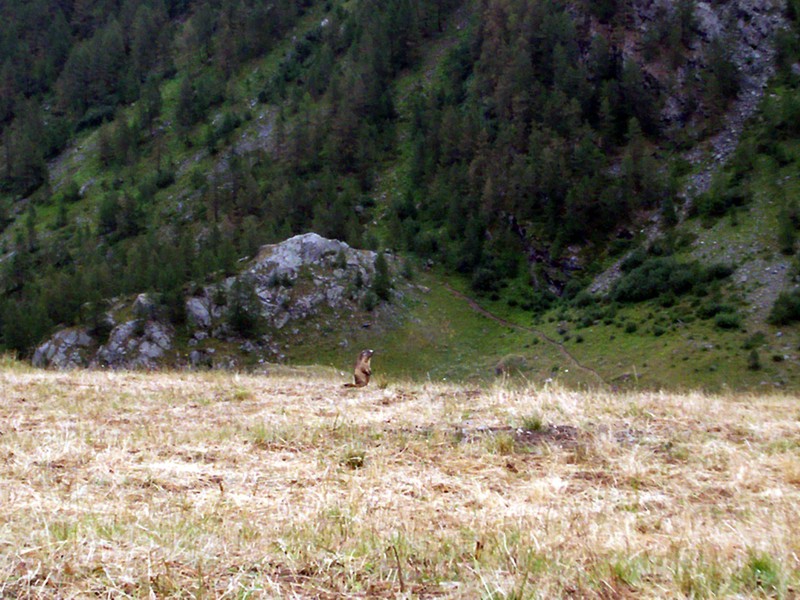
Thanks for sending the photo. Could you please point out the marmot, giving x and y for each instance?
(362, 371)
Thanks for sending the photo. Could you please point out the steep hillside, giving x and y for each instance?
(597, 178)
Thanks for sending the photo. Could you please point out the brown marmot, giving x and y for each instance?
(363, 370)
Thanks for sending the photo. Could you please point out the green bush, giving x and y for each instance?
(244, 308)
(71, 192)
(370, 301)
(633, 260)
(753, 360)
(657, 276)
(754, 340)
(583, 299)
(712, 309)
(485, 280)
(718, 271)
(786, 308)
(666, 276)
(727, 320)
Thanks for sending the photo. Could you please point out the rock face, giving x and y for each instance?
(300, 276)
(198, 312)
(135, 344)
(749, 26)
(293, 280)
(303, 277)
(67, 349)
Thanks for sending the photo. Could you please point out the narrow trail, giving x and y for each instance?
(541, 335)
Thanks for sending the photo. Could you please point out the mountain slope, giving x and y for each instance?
(524, 148)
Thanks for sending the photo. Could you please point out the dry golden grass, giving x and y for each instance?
(290, 486)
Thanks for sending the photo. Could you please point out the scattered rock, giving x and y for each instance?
(200, 359)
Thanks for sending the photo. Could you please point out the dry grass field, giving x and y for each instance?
(287, 485)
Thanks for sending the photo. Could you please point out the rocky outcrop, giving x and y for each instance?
(135, 344)
(292, 281)
(67, 349)
(198, 312)
(750, 27)
(306, 276)
(306, 273)
(747, 27)
(145, 306)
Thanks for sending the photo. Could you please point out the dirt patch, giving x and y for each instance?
(562, 436)
(596, 478)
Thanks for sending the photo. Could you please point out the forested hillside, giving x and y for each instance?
(523, 145)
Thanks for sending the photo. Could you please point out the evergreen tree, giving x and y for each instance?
(382, 283)
(26, 169)
(244, 308)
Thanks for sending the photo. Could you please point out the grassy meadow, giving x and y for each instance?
(285, 484)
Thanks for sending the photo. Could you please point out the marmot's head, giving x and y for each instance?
(366, 354)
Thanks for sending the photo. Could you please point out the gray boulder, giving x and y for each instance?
(134, 344)
(198, 313)
(67, 349)
(307, 250)
(292, 280)
(144, 307)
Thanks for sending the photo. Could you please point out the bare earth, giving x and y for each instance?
(291, 486)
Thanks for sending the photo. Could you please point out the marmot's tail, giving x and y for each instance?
(350, 385)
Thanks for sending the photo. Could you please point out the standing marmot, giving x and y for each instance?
(362, 371)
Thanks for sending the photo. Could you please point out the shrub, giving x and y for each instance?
(71, 192)
(165, 177)
(786, 308)
(667, 299)
(633, 260)
(485, 280)
(718, 271)
(754, 340)
(727, 320)
(712, 309)
(94, 117)
(583, 299)
(370, 301)
(753, 360)
(657, 276)
(533, 422)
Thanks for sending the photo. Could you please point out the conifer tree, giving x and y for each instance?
(382, 284)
